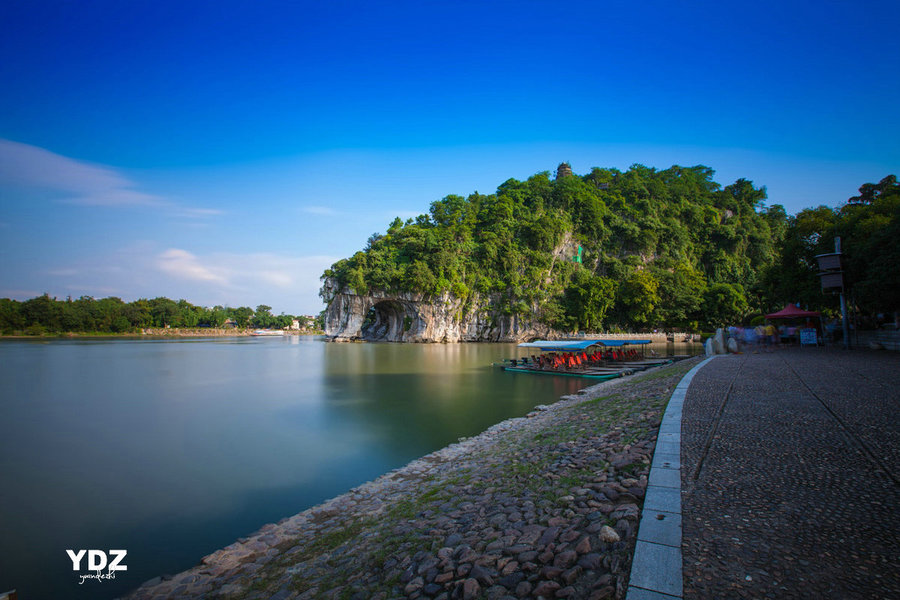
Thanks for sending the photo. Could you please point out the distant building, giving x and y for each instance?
(563, 170)
(229, 324)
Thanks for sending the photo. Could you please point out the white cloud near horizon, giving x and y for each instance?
(80, 182)
(288, 283)
(184, 265)
(234, 279)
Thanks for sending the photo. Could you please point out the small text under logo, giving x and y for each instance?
(97, 561)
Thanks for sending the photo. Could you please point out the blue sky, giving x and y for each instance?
(228, 152)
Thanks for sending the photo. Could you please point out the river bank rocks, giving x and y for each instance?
(542, 506)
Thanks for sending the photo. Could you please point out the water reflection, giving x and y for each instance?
(173, 448)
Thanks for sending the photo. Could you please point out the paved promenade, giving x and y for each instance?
(789, 471)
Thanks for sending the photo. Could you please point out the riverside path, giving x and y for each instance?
(790, 476)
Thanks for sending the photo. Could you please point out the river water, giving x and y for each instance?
(170, 449)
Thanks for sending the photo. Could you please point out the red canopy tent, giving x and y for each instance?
(792, 311)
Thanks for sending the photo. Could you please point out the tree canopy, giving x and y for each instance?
(111, 315)
(869, 228)
(608, 250)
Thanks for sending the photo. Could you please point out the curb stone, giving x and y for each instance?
(656, 569)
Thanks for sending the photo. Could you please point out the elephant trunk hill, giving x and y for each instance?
(607, 251)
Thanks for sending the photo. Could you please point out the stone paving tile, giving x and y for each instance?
(787, 504)
(660, 527)
(663, 498)
(665, 477)
(662, 460)
(652, 567)
(639, 594)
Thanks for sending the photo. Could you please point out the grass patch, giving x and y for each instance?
(600, 400)
(556, 435)
(677, 369)
(632, 469)
(331, 541)
(577, 478)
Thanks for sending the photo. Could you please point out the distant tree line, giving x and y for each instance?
(635, 250)
(112, 315)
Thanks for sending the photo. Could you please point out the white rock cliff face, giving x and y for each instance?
(409, 317)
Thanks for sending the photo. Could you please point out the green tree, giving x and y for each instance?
(241, 315)
(263, 318)
(724, 304)
(187, 314)
(120, 325)
(11, 318)
(638, 298)
(796, 279)
(869, 226)
(139, 314)
(587, 300)
(213, 317)
(283, 321)
(42, 311)
(870, 192)
(420, 278)
(681, 289)
(164, 312)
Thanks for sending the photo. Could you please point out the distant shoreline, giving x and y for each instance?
(154, 332)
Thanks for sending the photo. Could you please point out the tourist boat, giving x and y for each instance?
(608, 359)
(266, 332)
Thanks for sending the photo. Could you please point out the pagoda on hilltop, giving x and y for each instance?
(563, 170)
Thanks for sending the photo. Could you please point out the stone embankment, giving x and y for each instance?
(543, 506)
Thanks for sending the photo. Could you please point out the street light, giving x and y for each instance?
(831, 275)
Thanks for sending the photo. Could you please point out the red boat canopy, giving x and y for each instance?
(791, 311)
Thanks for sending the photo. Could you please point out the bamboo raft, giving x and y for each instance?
(593, 368)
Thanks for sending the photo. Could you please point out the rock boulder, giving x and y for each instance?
(412, 317)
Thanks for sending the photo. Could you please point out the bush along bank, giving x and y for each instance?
(540, 506)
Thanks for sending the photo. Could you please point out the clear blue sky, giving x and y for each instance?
(228, 152)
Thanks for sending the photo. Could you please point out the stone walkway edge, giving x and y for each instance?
(656, 572)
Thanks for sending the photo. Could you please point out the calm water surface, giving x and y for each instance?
(172, 449)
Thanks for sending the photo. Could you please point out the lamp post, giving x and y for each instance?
(832, 278)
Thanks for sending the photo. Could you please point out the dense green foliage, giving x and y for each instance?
(869, 228)
(111, 315)
(659, 249)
